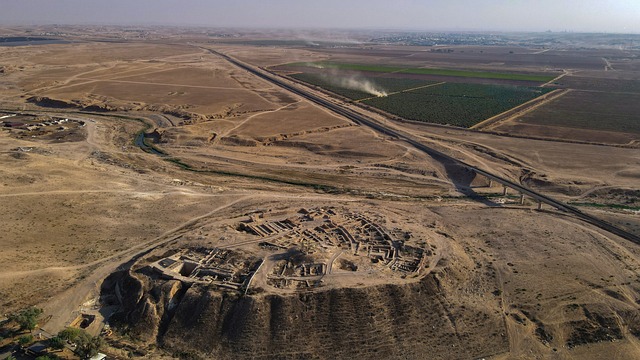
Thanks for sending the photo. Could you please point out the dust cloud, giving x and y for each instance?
(355, 83)
(348, 81)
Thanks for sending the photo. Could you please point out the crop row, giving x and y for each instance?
(590, 110)
(583, 120)
(456, 104)
(432, 71)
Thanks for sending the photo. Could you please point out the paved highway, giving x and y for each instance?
(366, 121)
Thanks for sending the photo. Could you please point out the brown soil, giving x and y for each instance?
(511, 282)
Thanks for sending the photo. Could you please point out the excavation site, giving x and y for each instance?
(260, 188)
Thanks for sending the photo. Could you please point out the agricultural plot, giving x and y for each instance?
(590, 110)
(344, 85)
(324, 83)
(600, 84)
(456, 104)
(542, 78)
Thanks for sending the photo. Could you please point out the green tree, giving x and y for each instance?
(27, 319)
(24, 340)
(88, 346)
(56, 343)
(70, 334)
(11, 357)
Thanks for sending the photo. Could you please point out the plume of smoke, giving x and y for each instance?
(349, 81)
(356, 83)
(314, 65)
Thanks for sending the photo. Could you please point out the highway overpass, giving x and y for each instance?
(363, 120)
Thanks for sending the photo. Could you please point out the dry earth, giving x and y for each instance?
(510, 282)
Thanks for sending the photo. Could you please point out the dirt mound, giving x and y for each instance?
(597, 325)
(99, 103)
(389, 321)
(545, 183)
(634, 174)
(625, 197)
(541, 184)
(237, 141)
(90, 103)
(317, 148)
(50, 103)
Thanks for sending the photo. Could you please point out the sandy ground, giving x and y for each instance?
(74, 211)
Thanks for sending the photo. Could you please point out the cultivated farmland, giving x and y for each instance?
(584, 116)
(273, 210)
(434, 71)
(338, 85)
(584, 110)
(456, 104)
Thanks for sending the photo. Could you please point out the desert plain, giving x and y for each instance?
(204, 211)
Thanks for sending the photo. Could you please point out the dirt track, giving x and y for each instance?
(63, 305)
(103, 201)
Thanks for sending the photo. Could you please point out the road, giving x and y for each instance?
(384, 129)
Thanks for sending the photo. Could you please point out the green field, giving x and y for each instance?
(456, 104)
(431, 71)
(387, 85)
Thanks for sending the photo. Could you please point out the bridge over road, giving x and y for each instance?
(364, 120)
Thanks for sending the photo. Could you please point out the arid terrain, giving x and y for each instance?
(187, 189)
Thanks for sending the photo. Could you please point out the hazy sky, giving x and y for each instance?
(519, 15)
